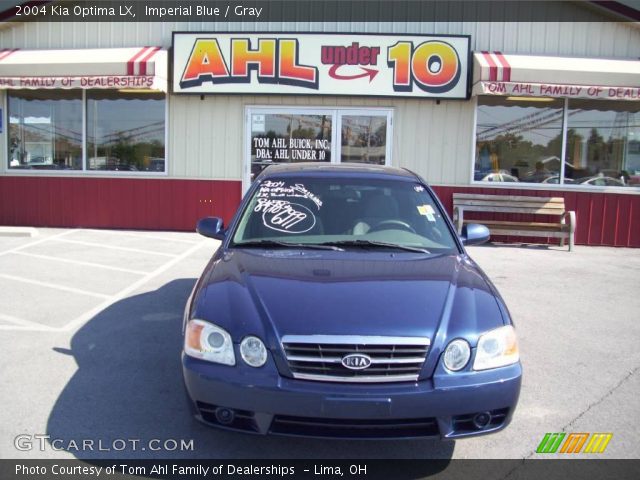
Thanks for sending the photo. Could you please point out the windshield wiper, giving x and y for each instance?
(373, 243)
(280, 244)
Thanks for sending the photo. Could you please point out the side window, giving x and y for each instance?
(45, 129)
(125, 131)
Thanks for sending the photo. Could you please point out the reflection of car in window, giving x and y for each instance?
(102, 163)
(500, 176)
(124, 167)
(156, 165)
(341, 303)
(601, 181)
(556, 180)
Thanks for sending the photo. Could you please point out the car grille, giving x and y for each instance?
(319, 357)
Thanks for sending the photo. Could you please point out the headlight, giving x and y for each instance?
(253, 351)
(497, 348)
(457, 355)
(209, 342)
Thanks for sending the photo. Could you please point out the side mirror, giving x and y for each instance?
(212, 227)
(474, 234)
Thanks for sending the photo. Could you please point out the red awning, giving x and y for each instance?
(496, 73)
(117, 68)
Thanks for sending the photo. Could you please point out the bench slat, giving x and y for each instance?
(511, 198)
(489, 203)
(513, 226)
(507, 223)
(505, 209)
(530, 233)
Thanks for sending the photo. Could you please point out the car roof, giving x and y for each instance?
(362, 170)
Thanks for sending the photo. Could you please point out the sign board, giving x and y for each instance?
(422, 66)
(143, 68)
(83, 81)
(527, 89)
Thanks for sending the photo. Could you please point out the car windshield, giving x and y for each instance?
(343, 212)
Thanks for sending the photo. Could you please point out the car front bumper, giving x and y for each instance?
(262, 401)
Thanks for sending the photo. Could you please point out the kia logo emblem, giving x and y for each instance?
(356, 361)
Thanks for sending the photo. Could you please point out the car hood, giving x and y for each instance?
(288, 292)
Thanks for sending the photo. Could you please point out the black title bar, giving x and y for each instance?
(317, 11)
(363, 469)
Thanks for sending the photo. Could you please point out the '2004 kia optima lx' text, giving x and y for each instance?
(342, 303)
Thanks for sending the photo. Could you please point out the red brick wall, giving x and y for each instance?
(135, 203)
(172, 204)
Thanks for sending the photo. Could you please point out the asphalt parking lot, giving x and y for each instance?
(90, 340)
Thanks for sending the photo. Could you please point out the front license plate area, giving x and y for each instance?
(356, 407)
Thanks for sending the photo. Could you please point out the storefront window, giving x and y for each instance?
(603, 143)
(125, 131)
(364, 139)
(289, 138)
(518, 139)
(45, 129)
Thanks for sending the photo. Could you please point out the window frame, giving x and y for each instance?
(5, 170)
(632, 190)
(336, 113)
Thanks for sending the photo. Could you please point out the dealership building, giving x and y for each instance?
(155, 125)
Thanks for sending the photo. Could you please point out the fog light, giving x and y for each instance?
(224, 416)
(253, 351)
(481, 420)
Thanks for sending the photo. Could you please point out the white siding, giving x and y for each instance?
(435, 140)
(589, 39)
(205, 137)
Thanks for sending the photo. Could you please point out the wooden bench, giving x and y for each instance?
(472, 202)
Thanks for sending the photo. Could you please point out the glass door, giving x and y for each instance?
(294, 134)
(289, 137)
(365, 136)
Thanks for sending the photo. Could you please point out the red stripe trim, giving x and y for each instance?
(506, 68)
(493, 68)
(132, 61)
(5, 52)
(143, 62)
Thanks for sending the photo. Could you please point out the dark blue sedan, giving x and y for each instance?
(342, 303)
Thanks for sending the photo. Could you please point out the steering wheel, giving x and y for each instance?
(392, 225)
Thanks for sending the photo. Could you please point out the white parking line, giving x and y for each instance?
(19, 328)
(53, 285)
(23, 324)
(139, 235)
(26, 325)
(37, 242)
(80, 262)
(114, 247)
(131, 288)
